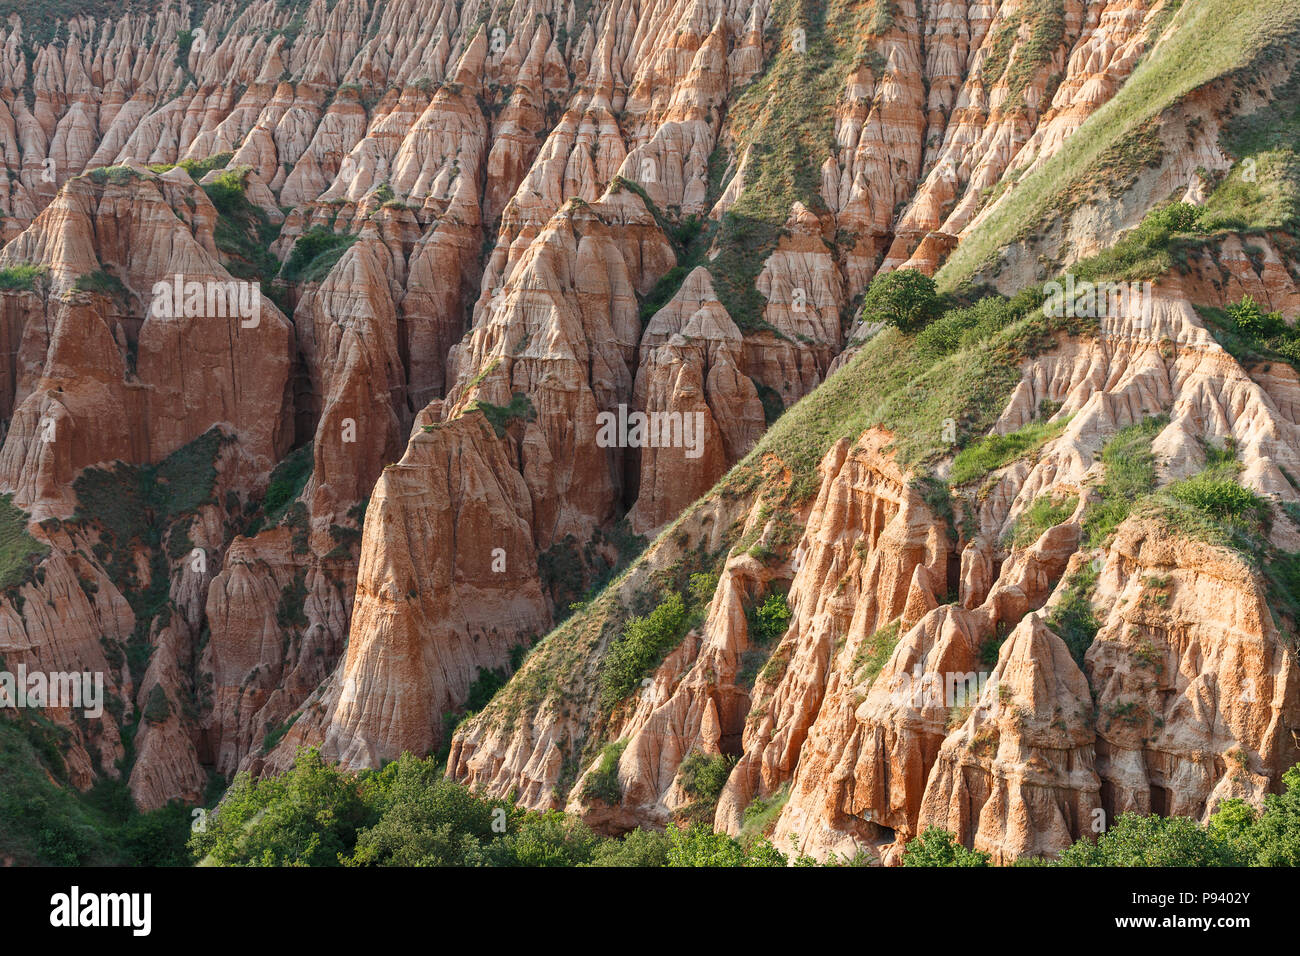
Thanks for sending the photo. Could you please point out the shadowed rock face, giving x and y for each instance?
(502, 224)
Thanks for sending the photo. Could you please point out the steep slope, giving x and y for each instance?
(483, 237)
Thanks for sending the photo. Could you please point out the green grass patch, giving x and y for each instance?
(912, 394)
(135, 508)
(287, 481)
(315, 253)
(22, 277)
(500, 416)
(1072, 619)
(1043, 512)
(19, 551)
(1130, 474)
(197, 168)
(602, 782)
(993, 451)
(874, 652)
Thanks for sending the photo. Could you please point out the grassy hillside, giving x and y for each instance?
(1204, 40)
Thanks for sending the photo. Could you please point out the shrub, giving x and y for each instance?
(904, 298)
(704, 777)
(602, 783)
(287, 481)
(308, 817)
(500, 416)
(644, 643)
(1220, 499)
(769, 620)
(21, 277)
(1136, 840)
(1130, 474)
(699, 846)
(1072, 618)
(314, 254)
(1253, 323)
(936, 847)
(643, 848)
(157, 709)
(702, 586)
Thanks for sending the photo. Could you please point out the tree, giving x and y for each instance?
(1136, 840)
(905, 298)
(306, 817)
(1276, 833)
(700, 846)
(936, 847)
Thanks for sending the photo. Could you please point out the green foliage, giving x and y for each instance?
(761, 815)
(113, 175)
(1148, 250)
(290, 613)
(644, 643)
(243, 232)
(602, 783)
(874, 652)
(287, 481)
(102, 283)
(702, 586)
(1237, 835)
(903, 298)
(1072, 618)
(184, 41)
(769, 620)
(309, 816)
(19, 551)
(1221, 500)
(1213, 507)
(993, 451)
(407, 815)
(936, 847)
(1042, 513)
(197, 168)
(21, 277)
(43, 823)
(135, 508)
(699, 846)
(1136, 840)
(500, 416)
(663, 292)
(643, 848)
(888, 383)
(275, 734)
(315, 253)
(157, 708)
(1130, 474)
(703, 777)
(1249, 334)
